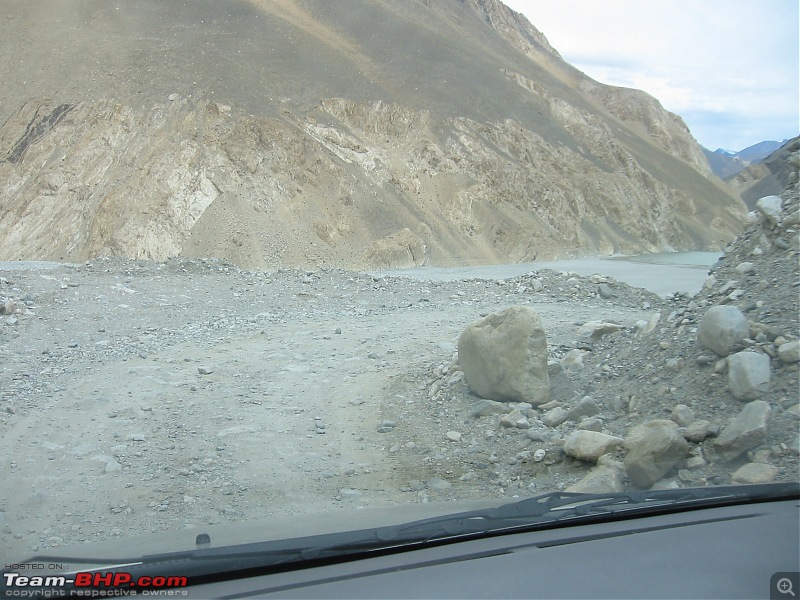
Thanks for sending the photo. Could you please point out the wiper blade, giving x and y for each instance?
(550, 509)
(539, 512)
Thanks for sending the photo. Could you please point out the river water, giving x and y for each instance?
(662, 273)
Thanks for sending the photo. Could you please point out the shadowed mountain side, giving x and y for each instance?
(768, 177)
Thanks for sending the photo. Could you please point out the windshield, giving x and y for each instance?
(276, 259)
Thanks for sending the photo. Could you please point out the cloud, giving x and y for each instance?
(712, 62)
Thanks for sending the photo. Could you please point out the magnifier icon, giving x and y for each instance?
(784, 586)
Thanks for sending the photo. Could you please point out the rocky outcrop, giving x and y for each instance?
(401, 250)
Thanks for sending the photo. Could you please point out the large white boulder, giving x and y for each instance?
(504, 356)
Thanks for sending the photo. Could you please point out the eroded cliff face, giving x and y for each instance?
(394, 134)
(347, 184)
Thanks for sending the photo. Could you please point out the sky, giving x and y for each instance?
(729, 68)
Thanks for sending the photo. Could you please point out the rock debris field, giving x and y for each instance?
(148, 396)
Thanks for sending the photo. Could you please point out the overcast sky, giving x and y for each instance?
(728, 67)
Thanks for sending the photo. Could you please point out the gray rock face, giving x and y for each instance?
(654, 448)
(721, 327)
(745, 431)
(504, 356)
(748, 375)
(590, 445)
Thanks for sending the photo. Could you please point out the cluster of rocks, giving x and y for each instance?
(706, 395)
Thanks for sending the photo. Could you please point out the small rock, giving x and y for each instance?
(744, 267)
(674, 365)
(594, 330)
(682, 415)
(555, 417)
(605, 291)
(590, 445)
(710, 282)
(515, 419)
(572, 361)
(607, 476)
(789, 352)
(703, 360)
(697, 431)
(748, 375)
(484, 408)
(654, 448)
(455, 378)
(587, 407)
(592, 424)
(205, 370)
(745, 431)
(453, 436)
(696, 462)
(755, 473)
(538, 455)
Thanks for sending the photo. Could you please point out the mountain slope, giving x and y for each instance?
(768, 177)
(725, 164)
(278, 132)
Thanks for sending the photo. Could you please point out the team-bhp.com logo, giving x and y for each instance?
(90, 584)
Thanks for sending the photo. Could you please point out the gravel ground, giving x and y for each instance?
(140, 397)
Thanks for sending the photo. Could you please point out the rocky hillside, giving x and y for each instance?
(280, 132)
(767, 177)
(703, 392)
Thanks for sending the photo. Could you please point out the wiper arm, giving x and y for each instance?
(539, 512)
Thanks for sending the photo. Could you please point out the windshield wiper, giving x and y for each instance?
(540, 512)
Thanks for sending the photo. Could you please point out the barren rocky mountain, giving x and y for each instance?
(289, 132)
